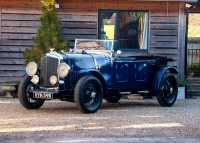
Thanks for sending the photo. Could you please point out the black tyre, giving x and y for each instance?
(88, 94)
(24, 98)
(168, 90)
(113, 96)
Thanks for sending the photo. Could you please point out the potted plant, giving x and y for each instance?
(182, 82)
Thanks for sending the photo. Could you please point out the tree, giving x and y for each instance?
(48, 35)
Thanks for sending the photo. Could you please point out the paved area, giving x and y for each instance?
(126, 121)
(106, 140)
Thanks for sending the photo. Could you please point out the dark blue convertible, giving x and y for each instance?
(93, 71)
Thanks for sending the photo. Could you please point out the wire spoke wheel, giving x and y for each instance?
(113, 96)
(88, 94)
(30, 99)
(25, 99)
(168, 90)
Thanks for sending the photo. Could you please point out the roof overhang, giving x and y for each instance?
(188, 1)
(193, 7)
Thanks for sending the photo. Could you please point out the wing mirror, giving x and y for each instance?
(71, 50)
(119, 52)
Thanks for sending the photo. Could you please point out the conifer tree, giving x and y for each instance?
(49, 34)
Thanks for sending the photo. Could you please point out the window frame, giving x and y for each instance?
(117, 21)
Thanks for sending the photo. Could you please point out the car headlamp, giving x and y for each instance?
(31, 68)
(35, 79)
(63, 70)
(53, 79)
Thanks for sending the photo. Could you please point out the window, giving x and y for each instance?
(129, 28)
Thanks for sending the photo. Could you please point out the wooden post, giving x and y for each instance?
(181, 39)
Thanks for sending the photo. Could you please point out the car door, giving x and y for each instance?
(122, 71)
(140, 70)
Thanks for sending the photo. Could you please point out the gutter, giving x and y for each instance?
(186, 37)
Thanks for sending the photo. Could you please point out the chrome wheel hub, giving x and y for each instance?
(93, 95)
(171, 90)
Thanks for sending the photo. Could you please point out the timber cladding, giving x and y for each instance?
(20, 20)
(80, 18)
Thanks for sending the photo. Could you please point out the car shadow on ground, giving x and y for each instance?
(69, 108)
(59, 107)
(132, 103)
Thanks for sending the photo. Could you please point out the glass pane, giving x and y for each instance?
(132, 30)
(108, 25)
(94, 45)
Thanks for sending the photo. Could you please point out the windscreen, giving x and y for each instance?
(87, 44)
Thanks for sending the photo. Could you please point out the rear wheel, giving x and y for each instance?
(88, 94)
(168, 90)
(113, 96)
(24, 98)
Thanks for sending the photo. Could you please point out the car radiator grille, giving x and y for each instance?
(48, 68)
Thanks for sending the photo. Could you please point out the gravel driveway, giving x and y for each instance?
(126, 119)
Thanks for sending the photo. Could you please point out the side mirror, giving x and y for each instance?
(119, 52)
(71, 50)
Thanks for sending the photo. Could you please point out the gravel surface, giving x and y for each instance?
(126, 119)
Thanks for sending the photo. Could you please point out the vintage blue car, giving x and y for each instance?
(93, 71)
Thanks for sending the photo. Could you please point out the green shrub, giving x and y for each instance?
(49, 34)
(194, 69)
(181, 80)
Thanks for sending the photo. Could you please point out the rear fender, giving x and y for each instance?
(158, 77)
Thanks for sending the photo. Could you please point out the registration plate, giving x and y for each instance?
(43, 95)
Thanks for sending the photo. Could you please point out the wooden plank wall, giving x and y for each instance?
(164, 22)
(80, 24)
(164, 32)
(20, 19)
(19, 22)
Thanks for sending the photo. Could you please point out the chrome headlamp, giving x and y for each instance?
(63, 70)
(53, 79)
(35, 79)
(31, 68)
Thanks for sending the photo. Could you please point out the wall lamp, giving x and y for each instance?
(56, 4)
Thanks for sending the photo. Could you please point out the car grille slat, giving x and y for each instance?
(48, 68)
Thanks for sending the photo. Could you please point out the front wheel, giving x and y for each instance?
(88, 94)
(24, 98)
(168, 90)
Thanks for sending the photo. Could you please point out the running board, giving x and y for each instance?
(144, 91)
(123, 93)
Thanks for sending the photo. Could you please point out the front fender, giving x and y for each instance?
(99, 76)
(158, 77)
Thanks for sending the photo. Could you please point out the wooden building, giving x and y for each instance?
(164, 33)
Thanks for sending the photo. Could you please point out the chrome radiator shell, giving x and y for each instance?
(48, 68)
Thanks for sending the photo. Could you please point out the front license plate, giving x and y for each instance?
(43, 95)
